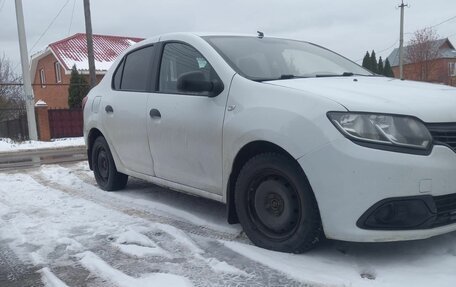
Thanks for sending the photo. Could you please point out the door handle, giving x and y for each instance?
(109, 109)
(155, 114)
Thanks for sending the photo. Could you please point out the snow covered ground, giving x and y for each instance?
(7, 145)
(69, 233)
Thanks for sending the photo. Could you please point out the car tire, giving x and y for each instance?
(104, 168)
(276, 206)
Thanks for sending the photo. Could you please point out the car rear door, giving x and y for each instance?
(124, 109)
(185, 129)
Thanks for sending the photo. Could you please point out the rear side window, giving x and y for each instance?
(133, 73)
(118, 76)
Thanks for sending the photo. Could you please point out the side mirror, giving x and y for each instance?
(195, 82)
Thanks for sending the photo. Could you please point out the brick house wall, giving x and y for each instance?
(54, 93)
(438, 73)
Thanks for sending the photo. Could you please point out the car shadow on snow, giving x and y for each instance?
(205, 211)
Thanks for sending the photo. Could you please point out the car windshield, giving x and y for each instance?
(264, 59)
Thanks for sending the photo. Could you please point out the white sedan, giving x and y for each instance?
(299, 142)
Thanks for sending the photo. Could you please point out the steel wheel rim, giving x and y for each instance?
(102, 164)
(274, 205)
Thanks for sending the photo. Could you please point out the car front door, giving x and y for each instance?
(185, 128)
(125, 110)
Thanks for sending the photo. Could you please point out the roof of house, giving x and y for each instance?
(445, 52)
(73, 51)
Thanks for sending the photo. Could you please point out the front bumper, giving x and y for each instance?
(348, 180)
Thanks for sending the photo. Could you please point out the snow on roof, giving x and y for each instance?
(73, 50)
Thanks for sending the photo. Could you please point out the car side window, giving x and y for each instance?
(179, 59)
(133, 73)
(118, 76)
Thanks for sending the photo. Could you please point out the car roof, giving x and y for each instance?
(226, 34)
(205, 34)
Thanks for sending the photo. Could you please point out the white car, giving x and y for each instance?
(298, 141)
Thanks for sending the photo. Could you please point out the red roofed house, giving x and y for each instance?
(441, 69)
(50, 69)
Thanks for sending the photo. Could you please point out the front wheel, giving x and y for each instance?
(104, 168)
(276, 206)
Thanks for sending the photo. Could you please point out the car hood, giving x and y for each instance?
(431, 103)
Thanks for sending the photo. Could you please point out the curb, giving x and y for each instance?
(43, 151)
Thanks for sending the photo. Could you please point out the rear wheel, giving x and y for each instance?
(276, 206)
(104, 168)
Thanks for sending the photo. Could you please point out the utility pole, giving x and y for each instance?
(88, 24)
(29, 98)
(401, 42)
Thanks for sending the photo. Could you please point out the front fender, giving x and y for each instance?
(288, 118)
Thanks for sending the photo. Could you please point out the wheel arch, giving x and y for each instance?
(93, 135)
(244, 154)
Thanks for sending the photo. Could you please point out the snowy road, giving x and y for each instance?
(58, 229)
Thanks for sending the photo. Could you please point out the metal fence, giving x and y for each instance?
(13, 115)
(62, 122)
(65, 123)
(13, 124)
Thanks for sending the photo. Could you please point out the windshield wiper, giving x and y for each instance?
(291, 76)
(344, 74)
(282, 77)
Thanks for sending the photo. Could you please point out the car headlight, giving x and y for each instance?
(391, 131)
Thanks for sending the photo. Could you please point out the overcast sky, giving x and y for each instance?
(349, 27)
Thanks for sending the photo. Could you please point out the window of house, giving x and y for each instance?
(452, 69)
(58, 75)
(42, 78)
(178, 59)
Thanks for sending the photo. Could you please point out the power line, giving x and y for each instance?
(381, 51)
(50, 24)
(447, 20)
(72, 15)
(388, 47)
(433, 26)
(408, 33)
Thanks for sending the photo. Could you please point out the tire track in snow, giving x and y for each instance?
(98, 266)
(202, 264)
(13, 273)
(132, 209)
(205, 262)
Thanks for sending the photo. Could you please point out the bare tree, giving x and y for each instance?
(422, 51)
(11, 90)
